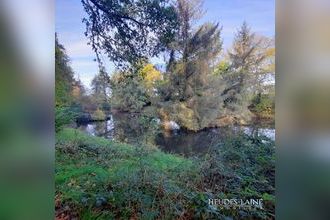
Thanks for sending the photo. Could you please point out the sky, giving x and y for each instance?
(230, 14)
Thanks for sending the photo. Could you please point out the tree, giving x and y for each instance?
(67, 90)
(247, 58)
(188, 12)
(265, 77)
(63, 76)
(128, 92)
(193, 50)
(131, 30)
(151, 78)
(203, 48)
(101, 88)
(150, 75)
(192, 91)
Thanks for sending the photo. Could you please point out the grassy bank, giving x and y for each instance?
(101, 179)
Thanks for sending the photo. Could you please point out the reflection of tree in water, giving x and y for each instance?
(134, 129)
(144, 131)
(101, 128)
(188, 143)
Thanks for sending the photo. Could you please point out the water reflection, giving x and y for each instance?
(256, 131)
(134, 129)
(187, 143)
(129, 128)
(191, 143)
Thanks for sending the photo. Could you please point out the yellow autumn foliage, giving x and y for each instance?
(270, 53)
(150, 75)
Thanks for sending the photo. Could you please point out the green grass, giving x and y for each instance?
(91, 167)
(102, 179)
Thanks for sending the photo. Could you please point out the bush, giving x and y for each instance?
(99, 115)
(263, 104)
(64, 116)
(242, 167)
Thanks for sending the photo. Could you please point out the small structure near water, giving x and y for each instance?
(171, 125)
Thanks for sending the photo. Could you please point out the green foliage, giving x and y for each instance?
(89, 168)
(63, 76)
(101, 89)
(243, 167)
(199, 111)
(63, 116)
(191, 88)
(103, 179)
(137, 31)
(190, 74)
(98, 177)
(128, 92)
(68, 91)
(208, 91)
(135, 89)
(196, 78)
(98, 115)
(263, 105)
(222, 68)
(243, 60)
(139, 129)
(250, 59)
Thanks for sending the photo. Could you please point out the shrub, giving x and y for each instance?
(63, 116)
(242, 167)
(98, 115)
(263, 104)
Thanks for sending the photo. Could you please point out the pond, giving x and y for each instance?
(138, 130)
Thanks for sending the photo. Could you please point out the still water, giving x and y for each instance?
(134, 129)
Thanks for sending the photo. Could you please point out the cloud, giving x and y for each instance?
(79, 49)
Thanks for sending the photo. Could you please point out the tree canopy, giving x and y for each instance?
(63, 76)
(201, 83)
(131, 30)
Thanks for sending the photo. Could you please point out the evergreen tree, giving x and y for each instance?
(191, 86)
(101, 88)
(247, 56)
(192, 52)
(131, 30)
(63, 76)
(128, 92)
